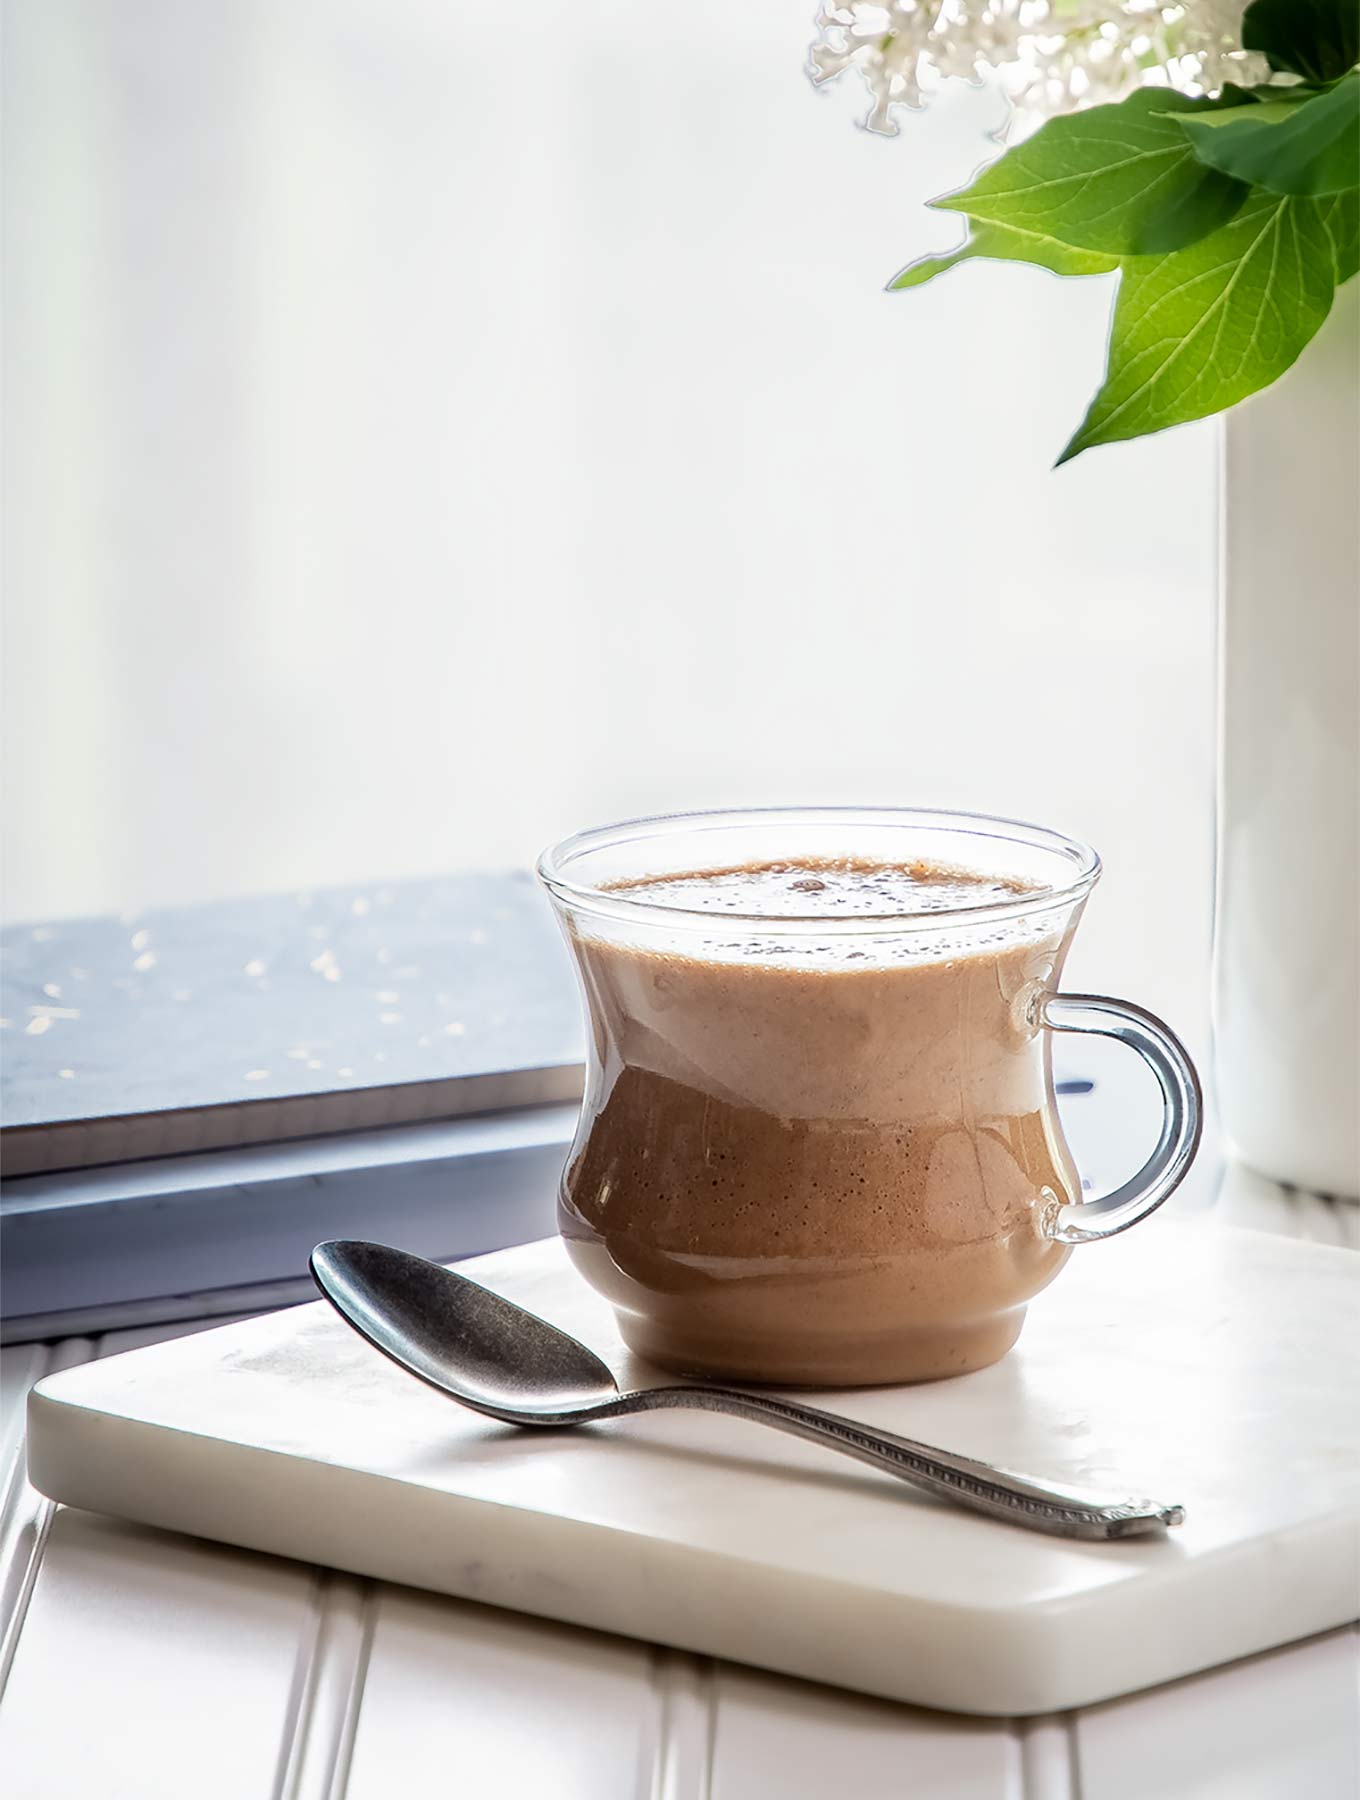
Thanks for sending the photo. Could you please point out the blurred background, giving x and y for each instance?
(433, 428)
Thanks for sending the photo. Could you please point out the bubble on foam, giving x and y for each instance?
(846, 888)
(850, 891)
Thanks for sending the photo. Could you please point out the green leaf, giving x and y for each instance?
(1123, 180)
(1007, 245)
(1288, 149)
(1203, 328)
(1341, 216)
(1282, 103)
(1318, 39)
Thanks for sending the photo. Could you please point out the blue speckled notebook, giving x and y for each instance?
(247, 1021)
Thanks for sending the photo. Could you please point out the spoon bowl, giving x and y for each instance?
(460, 1337)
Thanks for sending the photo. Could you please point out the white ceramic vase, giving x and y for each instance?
(1286, 962)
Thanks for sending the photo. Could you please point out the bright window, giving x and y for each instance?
(432, 430)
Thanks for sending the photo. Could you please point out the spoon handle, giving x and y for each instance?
(1039, 1505)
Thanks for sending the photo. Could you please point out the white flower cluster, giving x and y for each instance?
(1054, 54)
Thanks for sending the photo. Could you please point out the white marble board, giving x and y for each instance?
(1210, 1366)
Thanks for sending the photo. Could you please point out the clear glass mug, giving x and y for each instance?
(826, 1150)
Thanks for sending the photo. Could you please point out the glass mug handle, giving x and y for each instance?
(1182, 1114)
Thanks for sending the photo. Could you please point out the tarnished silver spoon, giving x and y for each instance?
(505, 1362)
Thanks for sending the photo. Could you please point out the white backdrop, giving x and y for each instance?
(433, 427)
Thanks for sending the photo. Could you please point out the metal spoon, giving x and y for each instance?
(503, 1361)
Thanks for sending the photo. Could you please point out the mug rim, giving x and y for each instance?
(617, 904)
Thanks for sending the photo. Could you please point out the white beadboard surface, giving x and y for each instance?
(140, 1664)
(1148, 1366)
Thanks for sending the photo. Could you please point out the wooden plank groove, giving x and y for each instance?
(327, 1689)
(1321, 1220)
(19, 1369)
(300, 1689)
(677, 1763)
(364, 1596)
(1313, 1219)
(1070, 1731)
(25, 1522)
(1048, 1765)
(21, 1557)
